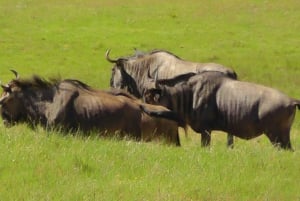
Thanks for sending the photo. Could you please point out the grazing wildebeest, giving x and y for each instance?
(131, 73)
(212, 101)
(72, 105)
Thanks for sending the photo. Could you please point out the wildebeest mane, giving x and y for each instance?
(140, 54)
(170, 53)
(150, 61)
(79, 84)
(35, 82)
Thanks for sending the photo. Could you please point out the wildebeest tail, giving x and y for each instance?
(167, 114)
(297, 103)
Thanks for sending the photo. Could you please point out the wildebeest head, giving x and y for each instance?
(11, 103)
(120, 79)
(24, 100)
(154, 92)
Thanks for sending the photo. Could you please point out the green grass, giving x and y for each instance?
(47, 166)
(259, 39)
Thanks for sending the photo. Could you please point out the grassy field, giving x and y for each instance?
(259, 39)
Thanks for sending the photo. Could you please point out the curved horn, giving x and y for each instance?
(15, 73)
(4, 87)
(109, 59)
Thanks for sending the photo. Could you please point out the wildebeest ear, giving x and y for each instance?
(138, 53)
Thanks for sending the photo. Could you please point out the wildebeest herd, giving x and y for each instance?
(151, 95)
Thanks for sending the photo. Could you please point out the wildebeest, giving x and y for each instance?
(72, 105)
(152, 125)
(131, 73)
(211, 101)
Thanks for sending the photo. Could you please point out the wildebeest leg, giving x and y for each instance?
(229, 140)
(173, 139)
(273, 139)
(280, 138)
(177, 140)
(205, 138)
(284, 139)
